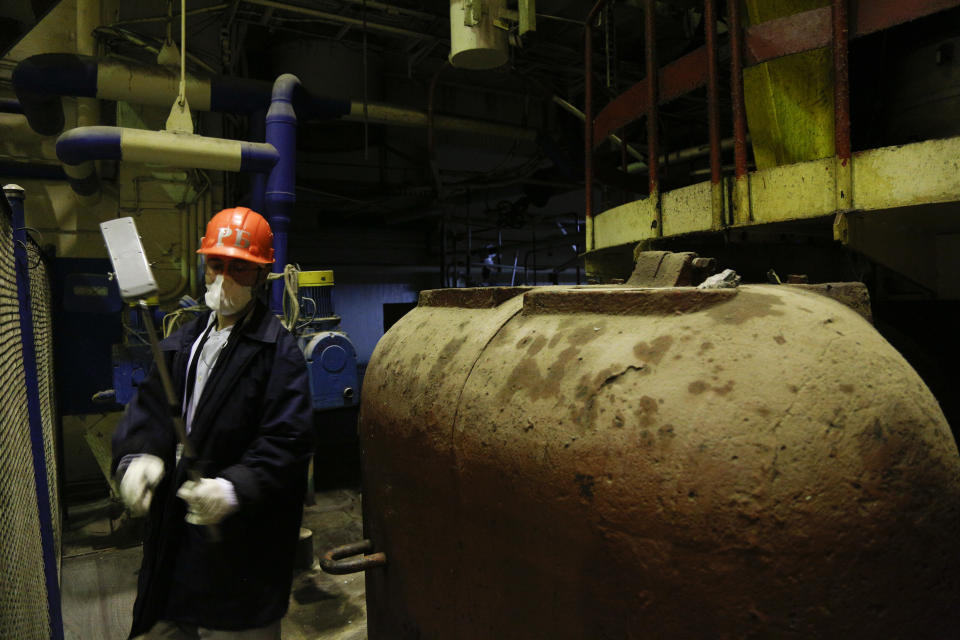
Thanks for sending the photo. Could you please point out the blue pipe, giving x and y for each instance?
(40, 80)
(31, 171)
(9, 105)
(89, 143)
(84, 144)
(281, 196)
(15, 198)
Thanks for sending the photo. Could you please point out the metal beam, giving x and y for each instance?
(334, 17)
(813, 29)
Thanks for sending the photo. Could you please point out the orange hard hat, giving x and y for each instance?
(240, 233)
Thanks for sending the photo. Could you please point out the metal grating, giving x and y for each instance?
(23, 596)
(41, 306)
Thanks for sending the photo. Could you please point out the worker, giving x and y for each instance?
(218, 553)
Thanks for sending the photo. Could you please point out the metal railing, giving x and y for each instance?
(749, 46)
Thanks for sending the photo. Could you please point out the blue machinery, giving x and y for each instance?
(330, 355)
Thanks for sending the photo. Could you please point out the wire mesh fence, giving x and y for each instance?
(23, 594)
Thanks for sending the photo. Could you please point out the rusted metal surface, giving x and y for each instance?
(812, 29)
(713, 90)
(626, 301)
(415, 386)
(653, 95)
(669, 269)
(785, 36)
(588, 115)
(333, 561)
(675, 79)
(758, 43)
(853, 294)
(470, 297)
(736, 91)
(588, 122)
(765, 466)
(841, 81)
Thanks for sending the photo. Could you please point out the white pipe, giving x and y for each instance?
(88, 109)
(154, 85)
(569, 108)
(180, 149)
(404, 117)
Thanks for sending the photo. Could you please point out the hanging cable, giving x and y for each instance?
(291, 290)
(183, 53)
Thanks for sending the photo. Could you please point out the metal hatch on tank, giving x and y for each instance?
(625, 461)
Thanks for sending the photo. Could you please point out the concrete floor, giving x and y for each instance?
(101, 559)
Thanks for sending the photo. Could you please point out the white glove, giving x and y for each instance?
(139, 481)
(208, 501)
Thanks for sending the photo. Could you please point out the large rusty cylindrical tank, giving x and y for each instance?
(616, 462)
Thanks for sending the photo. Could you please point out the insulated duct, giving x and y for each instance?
(9, 105)
(40, 81)
(78, 147)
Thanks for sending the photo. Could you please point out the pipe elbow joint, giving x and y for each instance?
(40, 80)
(89, 143)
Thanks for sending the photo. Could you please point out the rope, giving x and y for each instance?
(291, 279)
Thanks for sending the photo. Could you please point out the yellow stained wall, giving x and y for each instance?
(789, 100)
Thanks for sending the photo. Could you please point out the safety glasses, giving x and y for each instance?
(240, 271)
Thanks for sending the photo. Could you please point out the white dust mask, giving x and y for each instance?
(226, 297)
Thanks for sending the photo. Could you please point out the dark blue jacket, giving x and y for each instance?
(253, 426)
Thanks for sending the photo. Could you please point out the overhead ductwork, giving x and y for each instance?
(79, 147)
(41, 81)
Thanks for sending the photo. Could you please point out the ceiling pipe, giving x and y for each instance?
(40, 81)
(10, 105)
(79, 147)
(278, 156)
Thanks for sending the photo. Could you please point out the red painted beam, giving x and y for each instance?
(813, 29)
(677, 78)
(766, 41)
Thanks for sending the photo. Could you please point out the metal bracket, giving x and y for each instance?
(332, 561)
(472, 12)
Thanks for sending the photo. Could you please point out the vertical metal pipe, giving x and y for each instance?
(445, 282)
(650, 46)
(577, 248)
(456, 269)
(841, 81)
(713, 96)
(588, 112)
(588, 118)
(736, 91)
(469, 245)
(281, 132)
(533, 229)
(258, 181)
(15, 197)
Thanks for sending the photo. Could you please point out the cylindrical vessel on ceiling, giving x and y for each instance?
(614, 462)
(475, 40)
